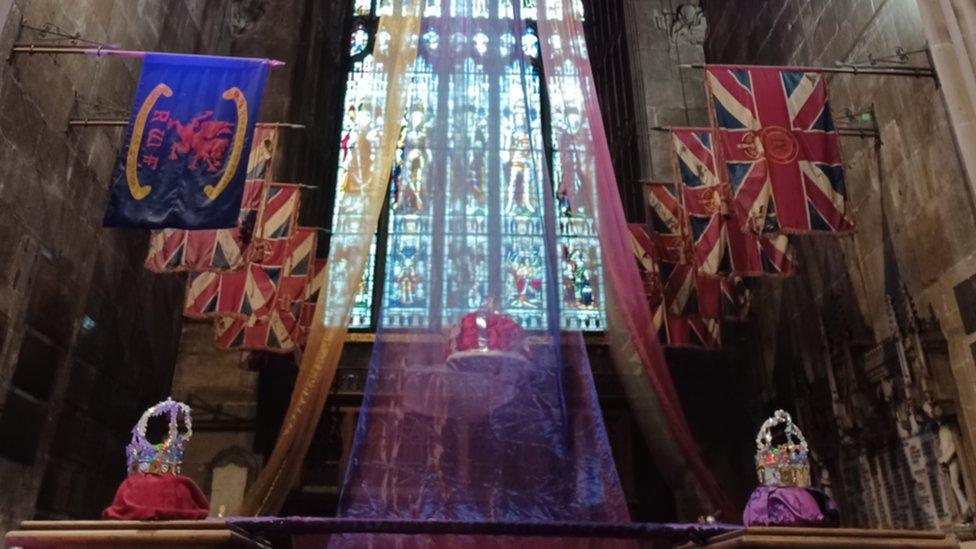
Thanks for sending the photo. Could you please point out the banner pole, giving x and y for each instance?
(31, 49)
(122, 122)
(846, 131)
(916, 72)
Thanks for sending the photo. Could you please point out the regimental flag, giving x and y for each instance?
(689, 300)
(260, 162)
(736, 299)
(705, 195)
(667, 221)
(296, 274)
(271, 333)
(183, 163)
(278, 211)
(307, 315)
(693, 331)
(242, 293)
(643, 247)
(721, 247)
(176, 250)
(780, 148)
(251, 289)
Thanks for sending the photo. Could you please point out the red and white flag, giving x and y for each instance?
(780, 148)
(721, 247)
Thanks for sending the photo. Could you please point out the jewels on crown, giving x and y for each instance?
(784, 464)
(165, 457)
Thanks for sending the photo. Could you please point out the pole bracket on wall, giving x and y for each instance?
(895, 63)
(862, 123)
(51, 38)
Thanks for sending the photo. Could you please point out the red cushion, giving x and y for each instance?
(157, 497)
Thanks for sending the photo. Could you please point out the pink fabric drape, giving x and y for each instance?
(630, 327)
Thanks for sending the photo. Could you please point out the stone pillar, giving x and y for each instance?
(950, 27)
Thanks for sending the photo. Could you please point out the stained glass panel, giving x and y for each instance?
(492, 155)
(362, 7)
(358, 40)
(362, 307)
(407, 291)
(365, 83)
(466, 272)
(522, 182)
(580, 263)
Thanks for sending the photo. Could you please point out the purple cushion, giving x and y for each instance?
(789, 506)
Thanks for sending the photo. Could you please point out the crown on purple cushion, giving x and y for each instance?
(785, 464)
(165, 457)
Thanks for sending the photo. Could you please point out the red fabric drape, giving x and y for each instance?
(630, 326)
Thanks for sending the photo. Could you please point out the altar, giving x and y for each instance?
(266, 532)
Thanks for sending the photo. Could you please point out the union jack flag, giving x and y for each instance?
(736, 299)
(721, 248)
(271, 333)
(693, 331)
(668, 223)
(643, 247)
(780, 148)
(177, 250)
(260, 161)
(695, 167)
(687, 298)
(242, 293)
(307, 315)
(279, 208)
(296, 274)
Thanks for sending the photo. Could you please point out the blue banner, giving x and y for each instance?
(184, 159)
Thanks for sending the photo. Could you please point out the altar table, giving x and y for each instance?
(76, 534)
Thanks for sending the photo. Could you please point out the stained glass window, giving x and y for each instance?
(493, 144)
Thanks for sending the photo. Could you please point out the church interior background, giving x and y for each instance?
(870, 345)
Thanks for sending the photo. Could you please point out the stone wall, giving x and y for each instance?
(866, 344)
(88, 338)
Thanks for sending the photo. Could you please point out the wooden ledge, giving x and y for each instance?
(778, 536)
(197, 534)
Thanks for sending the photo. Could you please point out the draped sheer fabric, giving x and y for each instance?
(489, 214)
(497, 434)
(636, 351)
(361, 195)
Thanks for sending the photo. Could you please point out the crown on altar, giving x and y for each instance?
(784, 464)
(487, 331)
(165, 457)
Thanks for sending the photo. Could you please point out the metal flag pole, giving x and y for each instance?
(100, 51)
(122, 122)
(846, 131)
(917, 72)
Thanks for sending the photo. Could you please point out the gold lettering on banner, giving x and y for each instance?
(138, 190)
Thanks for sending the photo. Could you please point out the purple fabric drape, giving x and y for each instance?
(508, 431)
(790, 506)
(630, 325)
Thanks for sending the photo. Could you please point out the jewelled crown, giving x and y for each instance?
(785, 464)
(487, 332)
(165, 457)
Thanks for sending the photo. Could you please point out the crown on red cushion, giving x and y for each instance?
(487, 331)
